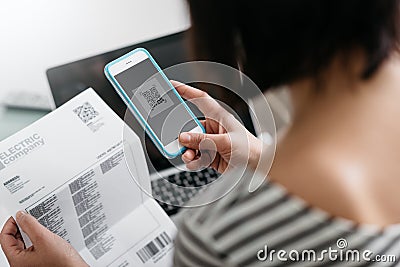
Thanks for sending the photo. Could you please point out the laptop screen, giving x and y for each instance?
(68, 80)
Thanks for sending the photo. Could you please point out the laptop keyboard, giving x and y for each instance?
(190, 183)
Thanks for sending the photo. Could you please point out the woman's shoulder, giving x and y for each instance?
(339, 183)
(235, 228)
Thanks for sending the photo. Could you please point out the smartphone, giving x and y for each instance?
(153, 100)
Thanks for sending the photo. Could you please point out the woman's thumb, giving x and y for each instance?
(30, 226)
(193, 140)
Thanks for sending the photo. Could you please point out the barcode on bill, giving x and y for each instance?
(154, 247)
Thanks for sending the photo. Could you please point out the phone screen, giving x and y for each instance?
(157, 103)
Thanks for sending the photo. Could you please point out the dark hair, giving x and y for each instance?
(281, 41)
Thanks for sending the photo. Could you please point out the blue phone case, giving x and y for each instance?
(139, 117)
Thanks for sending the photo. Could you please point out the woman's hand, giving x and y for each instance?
(48, 249)
(234, 145)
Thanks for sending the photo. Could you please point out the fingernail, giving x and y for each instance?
(20, 214)
(185, 137)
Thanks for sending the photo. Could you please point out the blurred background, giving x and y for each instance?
(37, 35)
(52, 50)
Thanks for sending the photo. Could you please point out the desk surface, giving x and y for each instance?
(13, 120)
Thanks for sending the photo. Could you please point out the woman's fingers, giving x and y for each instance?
(10, 243)
(203, 122)
(188, 156)
(34, 230)
(10, 227)
(201, 99)
(202, 157)
(188, 92)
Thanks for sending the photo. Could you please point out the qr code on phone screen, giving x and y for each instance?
(153, 97)
(86, 112)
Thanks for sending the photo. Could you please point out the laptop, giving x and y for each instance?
(66, 81)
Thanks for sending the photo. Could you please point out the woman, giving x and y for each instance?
(336, 172)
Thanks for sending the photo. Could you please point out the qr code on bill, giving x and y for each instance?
(86, 112)
(153, 97)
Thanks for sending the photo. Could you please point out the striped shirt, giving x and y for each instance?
(249, 229)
